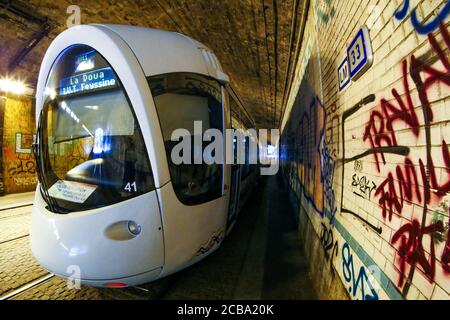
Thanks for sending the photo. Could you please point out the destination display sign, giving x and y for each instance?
(71, 191)
(89, 81)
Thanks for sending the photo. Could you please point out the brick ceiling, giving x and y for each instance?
(254, 39)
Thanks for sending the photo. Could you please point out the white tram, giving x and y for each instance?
(110, 203)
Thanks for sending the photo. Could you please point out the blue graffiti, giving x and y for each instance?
(311, 151)
(326, 15)
(356, 282)
(327, 174)
(421, 28)
(400, 14)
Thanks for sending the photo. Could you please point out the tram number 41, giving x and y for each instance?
(131, 187)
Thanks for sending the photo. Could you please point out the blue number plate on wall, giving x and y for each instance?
(343, 74)
(359, 53)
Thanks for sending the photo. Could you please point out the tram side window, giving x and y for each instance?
(181, 99)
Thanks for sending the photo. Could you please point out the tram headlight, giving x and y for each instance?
(134, 228)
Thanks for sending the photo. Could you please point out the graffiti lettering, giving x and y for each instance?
(356, 282)
(24, 181)
(329, 245)
(390, 197)
(328, 242)
(379, 129)
(363, 187)
(420, 181)
(420, 27)
(23, 166)
(324, 14)
(327, 176)
(332, 131)
(411, 248)
(314, 161)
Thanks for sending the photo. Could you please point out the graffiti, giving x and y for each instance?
(332, 131)
(24, 142)
(360, 281)
(78, 155)
(379, 129)
(330, 245)
(347, 114)
(358, 166)
(25, 181)
(393, 153)
(379, 230)
(314, 160)
(408, 187)
(419, 180)
(324, 10)
(363, 186)
(383, 133)
(422, 28)
(24, 165)
(215, 239)
(327, 176)
(411, 248)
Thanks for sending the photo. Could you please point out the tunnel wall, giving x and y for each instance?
(368, 167)
(17, 119)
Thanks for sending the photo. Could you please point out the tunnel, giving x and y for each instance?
(224, 150)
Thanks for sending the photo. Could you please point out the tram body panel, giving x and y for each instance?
(170, 52)
(82, 240)
(190, 232)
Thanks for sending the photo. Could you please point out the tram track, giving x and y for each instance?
(15, 211)
(28, 204)
(15, 239)
(27, 287)
(18, 215)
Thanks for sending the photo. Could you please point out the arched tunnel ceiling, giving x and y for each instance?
(255, 40)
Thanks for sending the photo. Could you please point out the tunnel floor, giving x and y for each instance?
(262, 258)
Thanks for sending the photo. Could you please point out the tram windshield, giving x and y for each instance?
(90, 150)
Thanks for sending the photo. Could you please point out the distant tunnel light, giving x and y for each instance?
(12, 86)
(271, 151)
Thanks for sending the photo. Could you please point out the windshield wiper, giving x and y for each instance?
(72, 139)
(40, 163)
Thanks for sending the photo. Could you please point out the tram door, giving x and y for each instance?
(235, 186)
(234, 192)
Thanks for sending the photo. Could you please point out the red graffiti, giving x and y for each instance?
(415, 180)
(411, 249)
(379, 129)
(389, 114)
(390, 197)
(404, 186)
